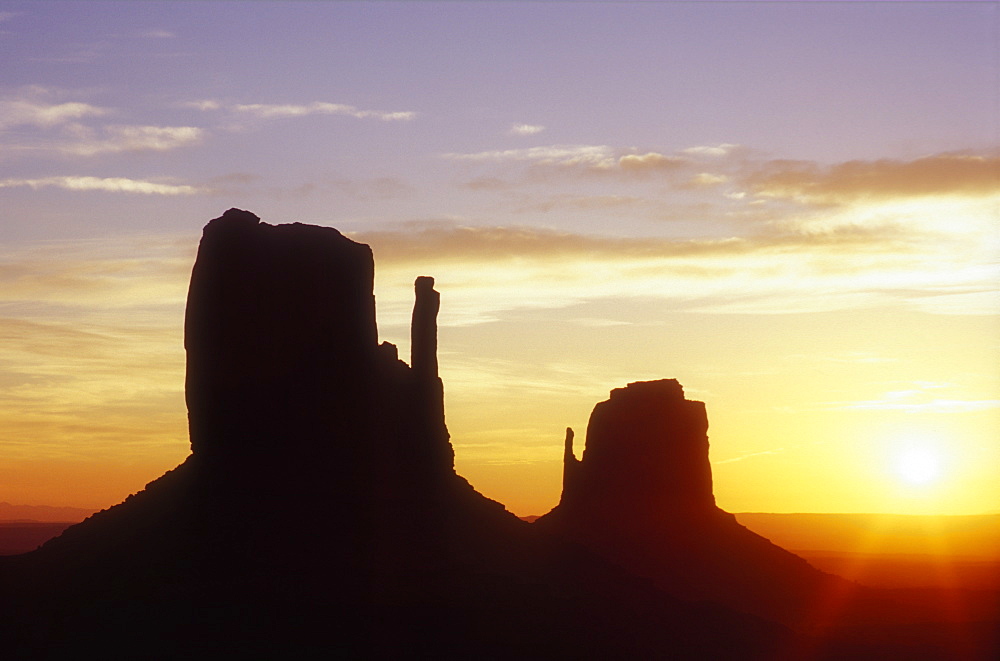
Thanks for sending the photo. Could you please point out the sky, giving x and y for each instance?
(793, 208)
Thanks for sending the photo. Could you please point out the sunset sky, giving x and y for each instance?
(792, 208)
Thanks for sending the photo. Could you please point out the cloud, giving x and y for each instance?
(916, 398)
(53, 340)
(526, 129)
(718, 150)
(648, 162)
(452, 242)
(270, 111)
(773, 271)
(591, 159)
(594, 156)
(747, 456)
(707, 179)
(932, 406)
(857, 183)
(103, 274)
(103, 184)
(601, 159)
(91, 328)
(449, 242)
(63, 127)
(114, 139)
(27, 112)
(940, 174)
(203, 104)
(110, 387)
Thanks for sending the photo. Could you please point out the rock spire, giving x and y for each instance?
(423, 329)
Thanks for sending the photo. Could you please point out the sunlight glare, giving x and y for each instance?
(918, 466)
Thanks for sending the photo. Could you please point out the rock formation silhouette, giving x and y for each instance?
(646, 453)
(319, 511)
(642, 496)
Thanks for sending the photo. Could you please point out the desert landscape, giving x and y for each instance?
(501, 330)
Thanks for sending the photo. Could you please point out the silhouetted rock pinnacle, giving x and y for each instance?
(423, 329)
(641, 496)
(647, 453)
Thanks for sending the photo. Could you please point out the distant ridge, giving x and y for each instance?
(46, 513)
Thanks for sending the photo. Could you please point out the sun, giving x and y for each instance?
(918, 465)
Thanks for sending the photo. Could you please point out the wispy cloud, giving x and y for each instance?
(449, 241)
(489, 269)
(723, 149)
(280, 110)
(919, 233)
(93, 355)
(918, 397)
(940, 174)
(202, 104)
(28, 112)
(69, 127)
(592, 158)
(268, 111)
(526, 129)
(932, 406)
(113, 139)
(145, 271)
(597, 156)
(731, 168)
(105, 390)
(103, 184)
(708, 179)
(649, 162)
(602, 159)
(748, 456)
